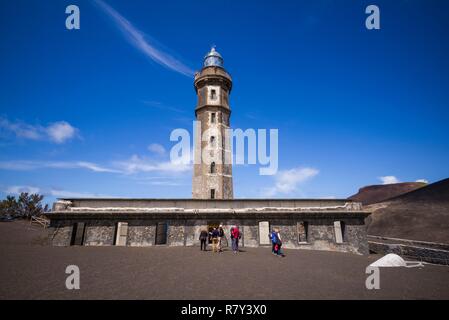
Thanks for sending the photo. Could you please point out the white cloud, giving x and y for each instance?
(72, 194)
(18, 165)
(163, 183)
(157, 148)
(94, 167)
(422, 180)
(160, 105)
(57, 132)
(389, 179)
(138, 164)
(133, 165)
(27, 165)
(61, 131)
(288, 181)
(21, 130)
(143, 43)
(16, 190)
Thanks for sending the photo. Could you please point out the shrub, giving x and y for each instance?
(26, 206)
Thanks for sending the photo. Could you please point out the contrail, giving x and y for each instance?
(137, 38)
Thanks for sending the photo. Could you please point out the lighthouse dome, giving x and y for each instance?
(213, 58)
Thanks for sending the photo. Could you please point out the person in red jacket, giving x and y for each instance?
(235, 237)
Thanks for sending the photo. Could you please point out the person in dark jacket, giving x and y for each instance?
(203, 238)
(220, 238)
(214, 235)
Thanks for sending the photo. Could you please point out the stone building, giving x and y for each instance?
(320, 224)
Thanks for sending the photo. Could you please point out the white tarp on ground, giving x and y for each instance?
(393, 260)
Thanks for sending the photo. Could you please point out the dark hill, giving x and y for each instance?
(436, 192)
(378, 193)
(422, 214)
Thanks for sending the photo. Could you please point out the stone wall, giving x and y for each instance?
(99, 233)
(321, 236)
(250, 233)
(415, 250)
(176, 235)
(185, 232)
(60, 236)
(141, 234)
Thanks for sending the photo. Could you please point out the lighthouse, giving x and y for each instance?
(212, 172)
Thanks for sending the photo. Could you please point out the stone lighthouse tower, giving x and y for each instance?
(212, 173)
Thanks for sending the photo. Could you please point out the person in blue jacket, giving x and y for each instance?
(274, 240)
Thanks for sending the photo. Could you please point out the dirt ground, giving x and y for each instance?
(29, 269)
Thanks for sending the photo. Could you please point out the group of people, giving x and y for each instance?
(217, 236)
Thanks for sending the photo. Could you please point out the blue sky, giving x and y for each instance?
(89, 112)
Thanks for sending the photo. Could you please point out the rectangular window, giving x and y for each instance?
(213, 94)
(225, 119)
(339, 228)
(212, 193)
(161, 233)
(202, 97)
(212, 117)
(78, 231)
(303, 230)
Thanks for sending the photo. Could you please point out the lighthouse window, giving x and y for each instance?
(212, 117)
(213, 94)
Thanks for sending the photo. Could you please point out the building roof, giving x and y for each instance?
(121, 204)
(204, 200)
(207, 208)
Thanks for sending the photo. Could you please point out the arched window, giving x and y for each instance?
(212, 141)
(212, 167)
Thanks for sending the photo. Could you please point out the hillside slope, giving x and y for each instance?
(422, 214)
(378, 193)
